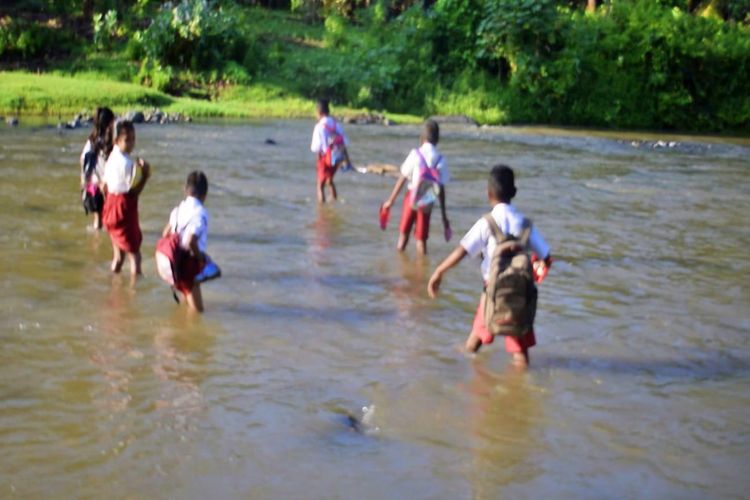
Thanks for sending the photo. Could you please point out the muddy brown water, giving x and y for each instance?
(639, 382)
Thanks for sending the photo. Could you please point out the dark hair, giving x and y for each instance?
(196, 184)
(322, 106)
(122, 126)
(431, 132)
(502, 183)
(101, 134)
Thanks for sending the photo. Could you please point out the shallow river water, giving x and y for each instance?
(638, 388)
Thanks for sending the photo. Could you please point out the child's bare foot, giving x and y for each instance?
(520, 361)
(116, 266)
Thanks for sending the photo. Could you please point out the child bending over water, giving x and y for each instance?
(181, 253)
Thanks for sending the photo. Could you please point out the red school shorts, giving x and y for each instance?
(325, 173)
(512, 344)
(409, 216)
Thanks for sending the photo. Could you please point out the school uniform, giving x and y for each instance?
(93, 200)
(188, 219)
(324, 129)
(120, 215)
(479, 241)
(411, 170)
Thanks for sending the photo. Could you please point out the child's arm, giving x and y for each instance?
(454, 258)
(396, 189)
(167, 230)
(194, 250)
(146, 173)
(441, 197)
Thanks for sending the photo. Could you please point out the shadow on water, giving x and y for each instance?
(709, 365)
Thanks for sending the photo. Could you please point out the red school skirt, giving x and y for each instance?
(325, 173)
(120, 219)
(512, 344)
(187, 269)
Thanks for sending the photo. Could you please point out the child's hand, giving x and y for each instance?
(541, 267)
(434, 285)
(387, 205)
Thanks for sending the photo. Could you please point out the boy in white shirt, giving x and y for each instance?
(330, 145)
(479, 240)
(188, 222)
(426, 172)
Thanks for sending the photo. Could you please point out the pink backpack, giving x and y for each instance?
(428, 186)
(334, 143)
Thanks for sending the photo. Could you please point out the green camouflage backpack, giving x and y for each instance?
(510, 304)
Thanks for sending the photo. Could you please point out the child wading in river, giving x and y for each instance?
(503, 238)
(120, 215)
(181, 252)
(93, 158)
(427, 173)
(329, 144)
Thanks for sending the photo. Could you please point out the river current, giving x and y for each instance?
(321, 369)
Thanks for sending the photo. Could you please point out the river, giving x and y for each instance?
(638, 386)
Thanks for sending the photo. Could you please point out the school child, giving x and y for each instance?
(426, 172)
(330, 145)
(506, 229)
(120, 214)
(181, 253)
(93, 158)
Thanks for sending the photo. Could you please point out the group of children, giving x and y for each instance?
(110, 192)
(503, 237)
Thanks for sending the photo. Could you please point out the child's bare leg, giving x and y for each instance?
(321, 191)
(135, 263)
(521, 359)
(473, 342)
(97, 224)
(333, 189)
(403, 239)
(421, 247)
(117, 259)
(194, 298)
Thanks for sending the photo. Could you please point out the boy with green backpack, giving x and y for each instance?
(505, 239)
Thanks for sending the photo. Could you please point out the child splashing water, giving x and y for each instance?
(120, 215)
(93, 158)
(508, 304)
(181, 257)
(426, 172)
(329, 144)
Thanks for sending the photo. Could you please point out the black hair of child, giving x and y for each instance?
(196, 184)
(502, 183)
(101, 134)
(322, 106)
(123, 126)
(431, 132)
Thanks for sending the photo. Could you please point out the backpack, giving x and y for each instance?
(169, 255)
(90, 160)
(511, 295)
(428, 184)
(334, 143)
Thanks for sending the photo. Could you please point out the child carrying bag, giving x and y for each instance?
(511, 295)
(334, 152)
(428, 186)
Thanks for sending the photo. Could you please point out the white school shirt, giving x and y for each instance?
(98, 174)
(510, 221)
(410, 167)
(119, 172)
(191, 218)
(319, 143)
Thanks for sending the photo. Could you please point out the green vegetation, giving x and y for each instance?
(659, 64)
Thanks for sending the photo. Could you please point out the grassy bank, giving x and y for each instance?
(54, 94)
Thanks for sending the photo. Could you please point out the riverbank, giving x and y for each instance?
(24, 94)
